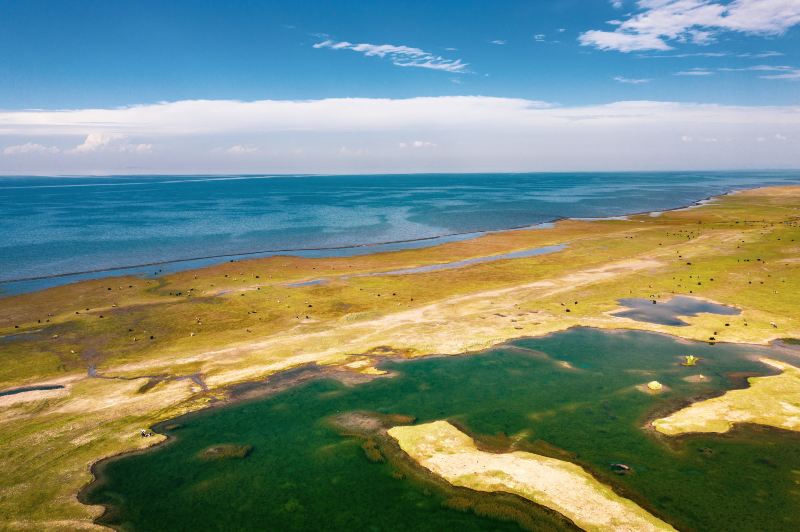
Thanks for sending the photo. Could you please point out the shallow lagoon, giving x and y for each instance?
(302, 474)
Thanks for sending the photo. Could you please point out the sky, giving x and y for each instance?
(104, 87)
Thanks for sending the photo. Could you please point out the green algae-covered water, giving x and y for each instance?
(303, 475)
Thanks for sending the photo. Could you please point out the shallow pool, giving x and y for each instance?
(669, 312)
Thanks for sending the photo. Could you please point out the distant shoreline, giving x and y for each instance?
(89, 274)
(279, 251)
(36, 283)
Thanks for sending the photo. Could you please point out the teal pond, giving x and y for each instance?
(572, 394)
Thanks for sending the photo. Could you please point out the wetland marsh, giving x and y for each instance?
(302, 473)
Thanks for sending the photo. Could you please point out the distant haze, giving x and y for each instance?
(435, 134)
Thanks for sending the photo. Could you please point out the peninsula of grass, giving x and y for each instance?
(772, 401)
(556, 484)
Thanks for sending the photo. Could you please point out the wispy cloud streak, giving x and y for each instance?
(631, 81)
(399, 55)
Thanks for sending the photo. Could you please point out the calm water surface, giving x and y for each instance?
(61, 225)
(670, 312)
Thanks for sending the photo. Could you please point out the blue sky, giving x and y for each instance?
(567, 54)
(101, 53)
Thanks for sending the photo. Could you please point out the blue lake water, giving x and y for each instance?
(62, 225)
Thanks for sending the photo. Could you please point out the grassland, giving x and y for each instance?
(131, 352)
(556, 484)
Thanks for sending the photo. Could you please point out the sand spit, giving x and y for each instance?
(556, 484)
(773, 401)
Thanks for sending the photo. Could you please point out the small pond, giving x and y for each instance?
(669, 312)
(24, 389)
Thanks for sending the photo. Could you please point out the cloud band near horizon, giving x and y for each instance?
(462, 133)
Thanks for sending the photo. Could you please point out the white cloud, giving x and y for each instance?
(539, 37)
(622, 42)
(791, 74)
(417, 144)
(28, 148)
(661, 22)
(760, 55)
(687, 138)
(777, 136)
(240, 149)
(136, 148)
(346, 151)
(757, 68)
(695, 72)
(616, 4)
(631, 81)
(782, 72)
(750, 55)
(115, 142)
(403, 56)
(692, 54)
(97, 141)
(498, 41)
(471, 133)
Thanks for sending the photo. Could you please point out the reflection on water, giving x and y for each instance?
(667, 313)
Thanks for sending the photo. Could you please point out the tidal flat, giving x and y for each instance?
(129, 353)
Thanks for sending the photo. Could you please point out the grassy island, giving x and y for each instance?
(109, 357)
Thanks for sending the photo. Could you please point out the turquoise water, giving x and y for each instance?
(63, 225)
(303, 475)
